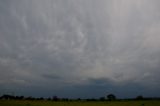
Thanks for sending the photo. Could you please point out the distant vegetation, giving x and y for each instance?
(109, 97)
(109, 100)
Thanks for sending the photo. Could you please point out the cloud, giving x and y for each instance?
(68, 43)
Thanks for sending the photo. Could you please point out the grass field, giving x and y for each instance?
(74, 103)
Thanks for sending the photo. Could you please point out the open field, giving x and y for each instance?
(80, 103)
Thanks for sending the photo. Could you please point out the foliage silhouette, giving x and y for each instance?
(111, 97)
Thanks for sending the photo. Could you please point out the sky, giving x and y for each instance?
(80, 48)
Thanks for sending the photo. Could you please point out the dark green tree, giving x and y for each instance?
(102, 98)
(111, 97)
(140, 97)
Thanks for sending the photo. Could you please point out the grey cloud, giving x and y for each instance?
(71, 42)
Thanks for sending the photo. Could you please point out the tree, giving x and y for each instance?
(102, 98)
(140, 97)
(111, 97)
(55, 98)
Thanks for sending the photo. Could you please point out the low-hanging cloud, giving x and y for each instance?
(72, 42)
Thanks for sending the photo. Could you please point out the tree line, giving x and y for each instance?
(109, 97)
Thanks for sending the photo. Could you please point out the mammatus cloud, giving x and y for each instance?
(73, 43)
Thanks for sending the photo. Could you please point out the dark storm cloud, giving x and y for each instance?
(79, 43)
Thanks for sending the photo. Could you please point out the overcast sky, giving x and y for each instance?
(80, 48)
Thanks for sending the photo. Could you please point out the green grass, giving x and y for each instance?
(74, 103)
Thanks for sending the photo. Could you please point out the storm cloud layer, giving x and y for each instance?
(73, 44)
